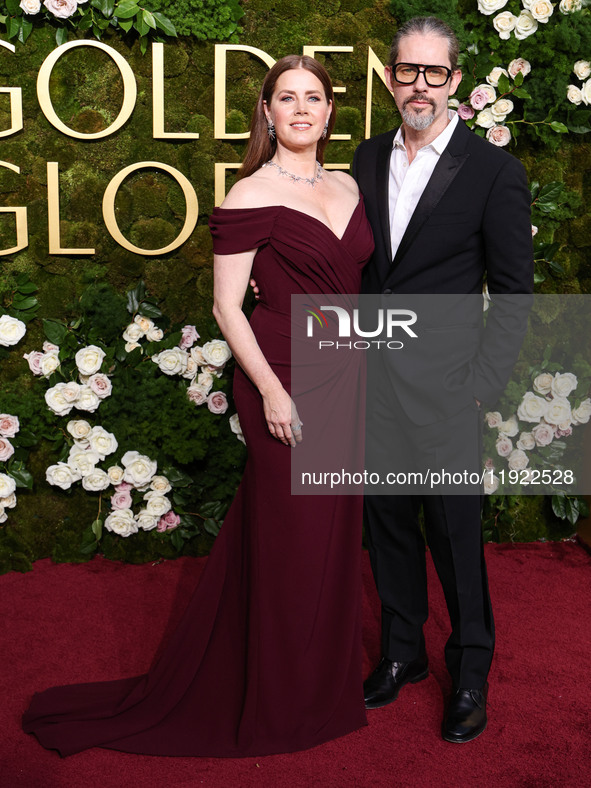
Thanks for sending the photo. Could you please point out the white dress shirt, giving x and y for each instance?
(408, 181)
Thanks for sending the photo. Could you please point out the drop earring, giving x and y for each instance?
(271, 130)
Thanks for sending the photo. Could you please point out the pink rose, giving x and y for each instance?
(217, 402)
(465, 112)
(168, 521)
(34, 361)
(504, 446)
(9, 425)
(49, 347)
(190, 336)
(100, 384)
(197, 394)
(564, 433)
(61, 8)
(499, 135)
(123, 487)
(543, 434)
(479, 98)
(489, 464)
(6, 449)
(121, 499)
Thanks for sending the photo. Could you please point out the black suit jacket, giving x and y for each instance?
(472, 223)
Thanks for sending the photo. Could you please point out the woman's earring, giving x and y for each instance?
(271, 130)
(325, 131)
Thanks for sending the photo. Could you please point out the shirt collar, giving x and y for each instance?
(440, 143)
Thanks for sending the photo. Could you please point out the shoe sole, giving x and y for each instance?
(463, 740)
(383, 703)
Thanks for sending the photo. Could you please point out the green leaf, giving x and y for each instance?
(144, 44)
(148, 18)
(61, 36)
(572, 510)
(126, 9)
(177, 477)
(13, 6)
(85, 23)
(104, 6)
(24, 302)
(550, 192)
(27, 287)
(13, 26)
(126, 25)
(211, 526)
(149, 310)
(518, 79)
(54, 331)
(140, 25)
(521, 93)
(558, 127)
(534, 188)
(22, 477)
(579, 129)
(26, 29)
(504, 84)
(177, 540)
(559, 506)
(164, 23)
(97, 528)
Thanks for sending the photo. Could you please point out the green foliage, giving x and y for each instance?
(204, 19)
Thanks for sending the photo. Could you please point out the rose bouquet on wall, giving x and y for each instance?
(136, 374)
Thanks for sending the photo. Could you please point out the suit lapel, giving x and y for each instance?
(382, 189)
(449, 164)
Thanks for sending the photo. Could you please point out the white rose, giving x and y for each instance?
(82, 461)
(172, 362)
(3, 515)
(121, 522)
(79, 429)
(71, 391)
(62, 9)
(499, 135)
(144, 323)
(582, 69)
(9, 502)
(145, 520)
(7, 485)
(543, 383)
(49, 363)
(139, 469)
(532, 408)
(96, 481)
(504, 24)
(115, 474)
(129, 346)
(526, 441)
(517, 460)
(582, 414)
(564, 383)
(488, 89)
(453, 103)
(160, 484)
(87, 400)
(216, 352)
(197, 393)
(488, 7)
(34, 361)
(61, 475)
(89, 359)
(574, 94)
(569, 6)
(192, 369)
(154, 334)
(501, 108)
(30, 6)
(100, 384)
(526, 26)
(485, 119)
(11, 330)
(56, 401)
(197, 353)
(205, 379)
(504, 446)
(517, 65)
(9, 425)
(543, 434)
(102, 442)
(586, 91)
(157, 504)
(534, 230)
(541, 10)
(237, 429)
(495, 75)
(491, 483)
(558, 411)
(493, 418)
(133, 333)
(510, 428)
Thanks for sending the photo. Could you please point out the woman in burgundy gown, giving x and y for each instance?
(267, 656)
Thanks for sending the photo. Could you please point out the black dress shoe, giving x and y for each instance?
(384, 684)
(466, 715)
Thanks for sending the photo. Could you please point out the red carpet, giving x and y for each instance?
(101, 620)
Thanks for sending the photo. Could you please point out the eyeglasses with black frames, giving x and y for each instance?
(407, 74)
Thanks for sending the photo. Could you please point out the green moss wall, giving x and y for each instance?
(86, 90)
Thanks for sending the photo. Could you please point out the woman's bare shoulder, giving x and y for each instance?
(251, 192)
(345, 180)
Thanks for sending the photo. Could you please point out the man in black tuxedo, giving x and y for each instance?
(448, 210)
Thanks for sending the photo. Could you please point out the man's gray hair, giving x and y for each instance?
(426, 25)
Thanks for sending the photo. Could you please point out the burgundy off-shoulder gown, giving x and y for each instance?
(267, 656)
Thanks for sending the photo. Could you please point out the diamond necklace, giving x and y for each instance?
(297, 178)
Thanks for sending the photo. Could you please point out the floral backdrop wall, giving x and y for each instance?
(161, 425)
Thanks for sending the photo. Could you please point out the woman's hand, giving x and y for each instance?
(282, 417)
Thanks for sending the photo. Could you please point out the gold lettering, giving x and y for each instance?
(219, 103)
(16, 103)
(158, 100)
(374, 64)
(129, 89)
(53, 213)
(311, 50)
(20, 216)
(191, 215)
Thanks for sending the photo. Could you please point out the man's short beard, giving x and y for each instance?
(418, 122)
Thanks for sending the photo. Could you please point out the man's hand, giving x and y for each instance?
(255, 289)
